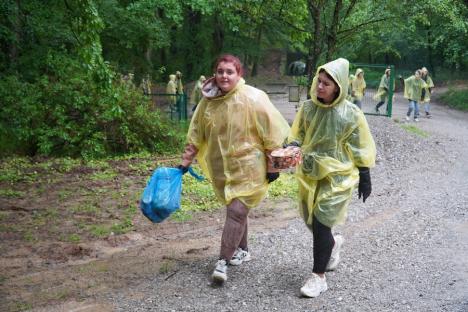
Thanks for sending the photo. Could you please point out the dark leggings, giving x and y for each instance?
(235, 229)
(323, 245)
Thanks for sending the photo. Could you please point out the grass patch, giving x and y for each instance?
(86, 208)
(415, 130)
(106, 175)
(285, 186)
(17, 169)
(11, 193)
(457, 99)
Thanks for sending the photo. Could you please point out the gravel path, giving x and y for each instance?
(406, 248)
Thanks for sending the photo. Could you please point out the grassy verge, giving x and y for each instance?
(73, 201)
(457, 99)
(415, 130)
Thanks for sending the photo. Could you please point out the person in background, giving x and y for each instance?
(232, 133)
(337, 152)
(196, 95)
(382, 91)
(171, 88)
(426, 92)
(414, 86)
(358, 87)
(351, 79)
(179, 85)
(146, 85)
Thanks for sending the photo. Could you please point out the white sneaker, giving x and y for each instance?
(314, 286)
(335, 255)
(240, 256)
(416, 119)
(407, 118)
(220, 271)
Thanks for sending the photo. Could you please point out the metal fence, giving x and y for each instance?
(174, 105)
(372, 75)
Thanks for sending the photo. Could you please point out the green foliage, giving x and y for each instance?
(456, 98)
(63, 114)
(200, 196)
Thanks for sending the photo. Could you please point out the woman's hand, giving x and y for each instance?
(365, 186)
(272, 176)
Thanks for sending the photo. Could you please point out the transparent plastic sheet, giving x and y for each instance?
(232, 133)
(161, 196)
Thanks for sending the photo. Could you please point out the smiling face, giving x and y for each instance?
(226, 76)
(326, 88)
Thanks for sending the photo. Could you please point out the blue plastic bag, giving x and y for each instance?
(161, 196)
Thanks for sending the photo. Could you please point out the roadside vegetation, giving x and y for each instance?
(74, 200)
(456, 98)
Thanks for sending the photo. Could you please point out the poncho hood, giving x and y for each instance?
(211, 91)
(339, 71)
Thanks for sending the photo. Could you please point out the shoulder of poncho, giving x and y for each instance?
(251, 93)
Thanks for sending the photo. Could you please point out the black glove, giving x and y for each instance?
(184, 169)
(365, 187)
(293, 143)
(272, 176)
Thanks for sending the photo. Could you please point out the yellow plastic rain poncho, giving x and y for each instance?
(178, 82)
(413, 88)
(358, 85)
(232, 133)
(335, 139)
(382, 91)
(172, 89)
(427, 90)
(196, 95)
(349, 97)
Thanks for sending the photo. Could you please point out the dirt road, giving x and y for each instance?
(406, 248)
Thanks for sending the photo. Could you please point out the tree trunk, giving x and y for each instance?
(218, 36)
(13, 47)
(333, 31)
(315, 47)
(429, 52)
(257, 56)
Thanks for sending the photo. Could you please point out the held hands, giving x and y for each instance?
(183, 168)
(365, 186)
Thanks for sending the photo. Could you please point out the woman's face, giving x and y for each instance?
(326, 88)
(226, 76)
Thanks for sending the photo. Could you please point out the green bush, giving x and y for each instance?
(65, 113)
(457, 99)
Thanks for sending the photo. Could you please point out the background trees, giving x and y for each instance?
(61, 60)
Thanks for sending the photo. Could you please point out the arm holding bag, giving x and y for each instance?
(161, 196)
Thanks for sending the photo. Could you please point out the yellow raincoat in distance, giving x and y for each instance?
(335, 139)
(232, 133)
(429, 84)
(196, 95)
(358, 85)
(172, 89)
(382, 91)
(413, 88)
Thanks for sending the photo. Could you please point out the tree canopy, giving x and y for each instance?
(61, 60)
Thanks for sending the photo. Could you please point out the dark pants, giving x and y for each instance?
(323, 245)
(235, 229)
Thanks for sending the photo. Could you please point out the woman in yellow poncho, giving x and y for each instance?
(426, 93)
(232, 132)
(358, 87)
(414, 86)
(337, 150)
(382, 91)
(196, 95)
(171, 88)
